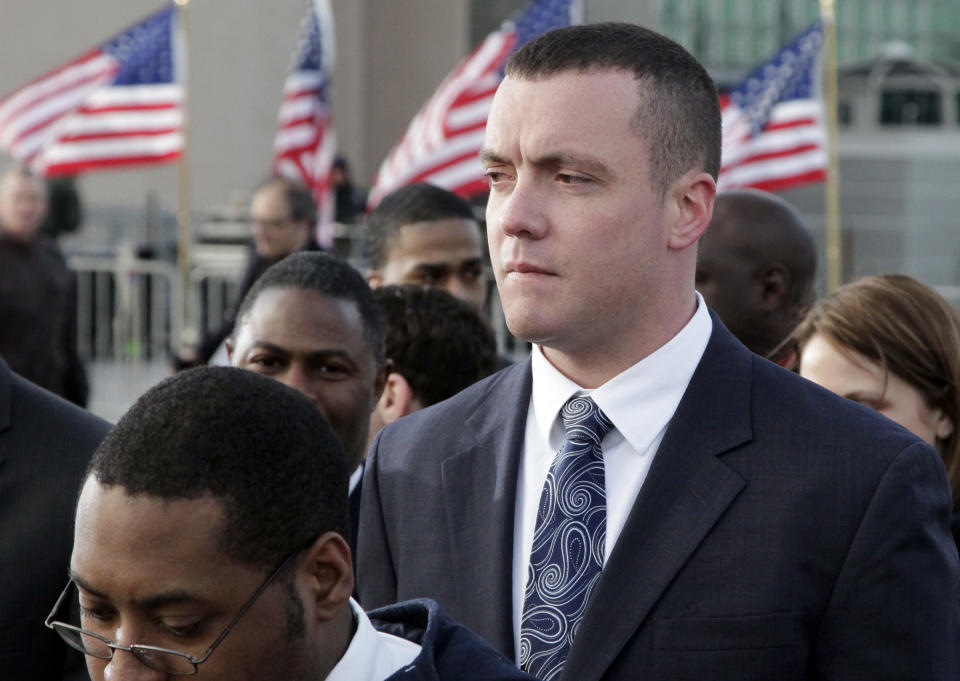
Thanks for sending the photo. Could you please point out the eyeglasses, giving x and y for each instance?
(161, 659)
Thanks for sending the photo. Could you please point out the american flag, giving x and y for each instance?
(441, 144)
(305, 144)
(773, 132)
(117, 104)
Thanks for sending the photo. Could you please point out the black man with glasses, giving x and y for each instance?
(209, 541)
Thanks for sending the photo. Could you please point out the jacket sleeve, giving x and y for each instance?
(376, 577)
(895, 609)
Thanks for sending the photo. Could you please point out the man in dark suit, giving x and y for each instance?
(45, 444)
(644, 497)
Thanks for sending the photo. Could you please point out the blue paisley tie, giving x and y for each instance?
(568, 542)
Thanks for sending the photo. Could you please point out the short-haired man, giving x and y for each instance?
(437, 346)
(755, 267)
(311, 323)
(209, 541)
(422, 234)
(38, 307)
(644, 497)
(283, 215)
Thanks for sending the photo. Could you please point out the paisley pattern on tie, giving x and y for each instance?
(568, 542)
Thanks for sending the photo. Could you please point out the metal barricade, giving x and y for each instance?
(127, 308)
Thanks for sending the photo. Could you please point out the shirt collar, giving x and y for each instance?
(641, 400)
(358, 661)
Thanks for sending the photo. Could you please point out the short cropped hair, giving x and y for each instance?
(300, 204)
(419, 202)
(679, 112)
(261, 449)
(326, 274)
(435, 341)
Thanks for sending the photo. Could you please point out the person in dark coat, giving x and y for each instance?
(210, 540)
(38, 309)
(45, 445)
(284, 215)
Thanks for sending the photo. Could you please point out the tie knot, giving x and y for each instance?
(583, 421)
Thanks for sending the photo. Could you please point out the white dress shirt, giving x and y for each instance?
(372, 655)
(639, 401)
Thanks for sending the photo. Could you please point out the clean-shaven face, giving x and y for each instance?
(575, 226)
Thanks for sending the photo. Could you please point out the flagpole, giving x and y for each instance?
(184, 216)
(832, 189)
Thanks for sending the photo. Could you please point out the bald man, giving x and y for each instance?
(38, 309)
(756, 267)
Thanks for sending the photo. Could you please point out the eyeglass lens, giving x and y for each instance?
(169, 662)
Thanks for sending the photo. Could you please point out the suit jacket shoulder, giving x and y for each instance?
(45, 445)
(458, 459)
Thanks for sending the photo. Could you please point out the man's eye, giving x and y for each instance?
(264, 362)
(182, 630)
(333, 369)
(96, 613)
(471, 274)
(495, 177)
(566, 178)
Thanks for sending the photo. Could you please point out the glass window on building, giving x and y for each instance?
(910, 107)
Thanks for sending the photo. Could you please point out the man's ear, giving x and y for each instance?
(326, 575)
(381, 381)
(397, 399)
(692, 199)
(375, 278)
(774, 281)
(229, 345)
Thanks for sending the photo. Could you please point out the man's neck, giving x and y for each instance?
(595, 363)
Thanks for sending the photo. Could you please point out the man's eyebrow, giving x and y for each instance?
(86, 587)
(174, 597)
(267, 345)
(586, 163)
(490, 156)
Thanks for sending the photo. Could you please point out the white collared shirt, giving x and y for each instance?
(372, 655)
(639, 401)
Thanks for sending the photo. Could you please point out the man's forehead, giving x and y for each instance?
(20, 182)
(304, 320)
(441, 233)
(110, 518)
(271, 197)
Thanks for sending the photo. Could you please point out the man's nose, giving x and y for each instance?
(519, 213)
(299, 378)
(126, 667)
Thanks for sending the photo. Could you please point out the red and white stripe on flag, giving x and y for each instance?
(441, 144)
(305, 144)
(116, 105)
(773, 121)
(789, 151)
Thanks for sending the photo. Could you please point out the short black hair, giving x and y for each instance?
(260, 448)
(418, 202)
(435, 341)
(329, 275)
(300, 204)
(679, 112)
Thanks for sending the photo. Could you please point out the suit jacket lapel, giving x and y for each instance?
(6, 399)
(685, 493)
(480, 490)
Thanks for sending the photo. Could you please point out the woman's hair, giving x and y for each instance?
(910, 331)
